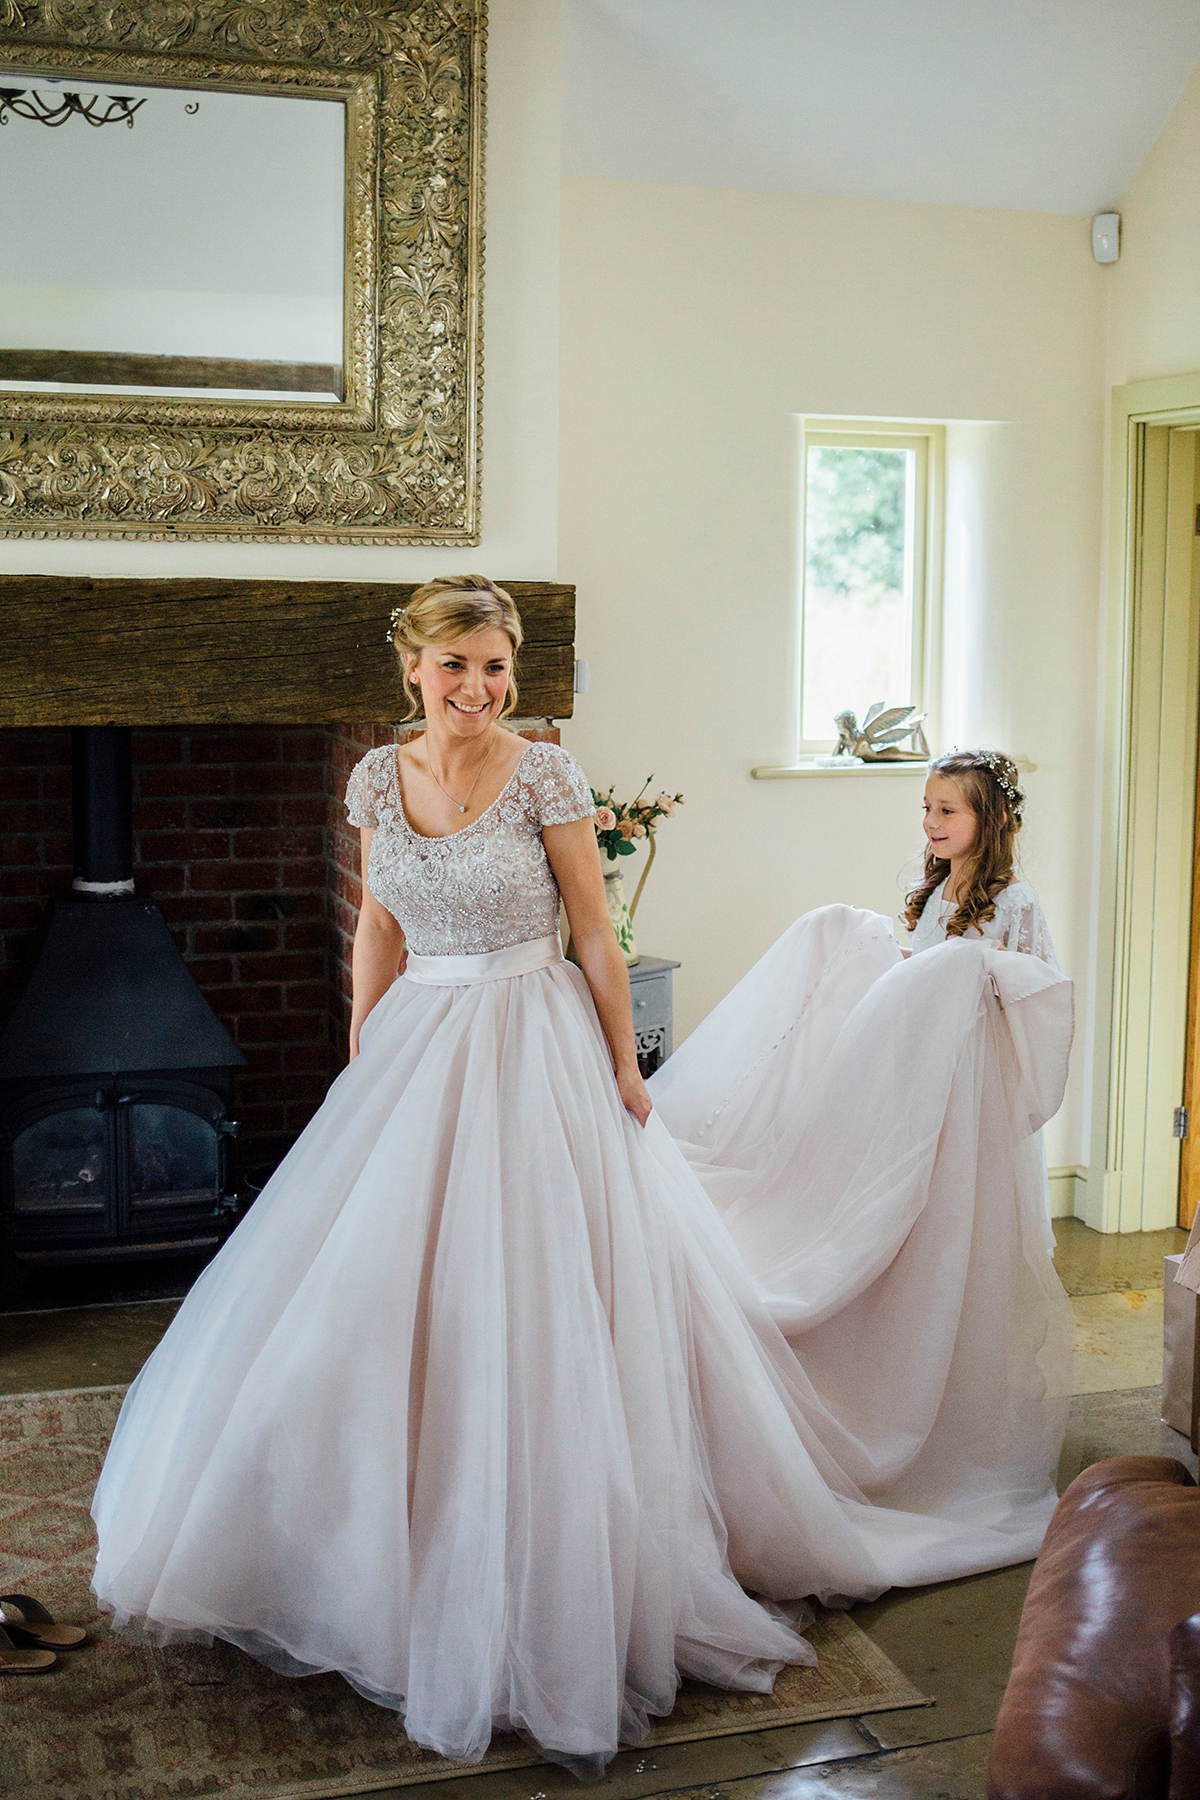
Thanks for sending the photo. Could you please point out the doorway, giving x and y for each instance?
(1143, 956)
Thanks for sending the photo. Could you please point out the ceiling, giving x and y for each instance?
(1040, 105)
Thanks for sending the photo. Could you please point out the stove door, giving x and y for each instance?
(62, 1166)
(174, 1156)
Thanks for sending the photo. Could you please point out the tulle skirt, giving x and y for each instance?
(514, 1412)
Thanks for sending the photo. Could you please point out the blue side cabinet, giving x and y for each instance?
(650, 990)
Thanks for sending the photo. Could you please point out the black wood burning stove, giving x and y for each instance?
(115, 1074)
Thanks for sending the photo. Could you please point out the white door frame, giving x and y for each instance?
(1150, 694)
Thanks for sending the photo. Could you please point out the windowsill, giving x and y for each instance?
(808, 766)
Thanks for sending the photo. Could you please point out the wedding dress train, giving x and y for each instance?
(866, 1127)
(505, 1407)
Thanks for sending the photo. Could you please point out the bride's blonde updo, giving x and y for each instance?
(453, 607)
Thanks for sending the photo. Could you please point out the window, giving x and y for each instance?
(867, 608)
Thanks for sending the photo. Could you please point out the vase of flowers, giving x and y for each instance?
(620, 826)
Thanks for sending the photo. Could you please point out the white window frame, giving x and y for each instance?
(929, 442)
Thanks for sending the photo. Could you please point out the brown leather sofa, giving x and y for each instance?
(1103, 1702)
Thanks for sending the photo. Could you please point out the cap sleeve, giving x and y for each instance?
(559, 786)
(360, 793)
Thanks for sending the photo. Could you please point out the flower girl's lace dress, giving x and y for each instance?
(489, 1403)
(1017, 923)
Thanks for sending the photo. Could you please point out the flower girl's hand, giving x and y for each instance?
(634, 1097)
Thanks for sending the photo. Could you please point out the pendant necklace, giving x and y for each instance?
(462, 805)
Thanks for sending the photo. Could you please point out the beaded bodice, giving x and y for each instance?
(481, 888)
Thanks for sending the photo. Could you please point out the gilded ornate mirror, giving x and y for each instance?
(242, 289)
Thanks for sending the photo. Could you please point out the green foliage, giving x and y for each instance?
(854, 528)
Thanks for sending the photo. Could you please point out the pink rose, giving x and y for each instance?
(605, 818)
(639, 830)
(627, 828)
(667, 804)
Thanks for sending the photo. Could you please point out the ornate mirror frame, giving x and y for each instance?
(397, 460)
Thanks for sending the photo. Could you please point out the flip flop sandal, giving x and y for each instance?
(28, 1622)
(23, 1662)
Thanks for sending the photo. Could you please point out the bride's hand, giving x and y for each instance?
(634, 1097)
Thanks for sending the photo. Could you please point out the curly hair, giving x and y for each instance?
(448, 608)
(988, 782)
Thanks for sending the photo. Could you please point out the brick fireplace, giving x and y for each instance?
(240, 834)
(235, 839)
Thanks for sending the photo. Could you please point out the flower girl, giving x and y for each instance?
(867, 1121)
(973, 809)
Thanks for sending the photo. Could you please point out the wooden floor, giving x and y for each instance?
(953, 1640)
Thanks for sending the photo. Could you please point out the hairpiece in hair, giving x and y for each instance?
(397, 615)
(998, 767)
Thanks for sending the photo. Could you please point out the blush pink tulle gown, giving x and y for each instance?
(512, 1411)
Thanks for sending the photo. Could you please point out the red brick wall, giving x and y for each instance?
(240, 835)
(35, 842)
(346, 744)
(229, 838)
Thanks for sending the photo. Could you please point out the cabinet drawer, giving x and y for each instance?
(651, 1002)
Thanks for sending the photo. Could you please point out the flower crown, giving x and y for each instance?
(1002, 769)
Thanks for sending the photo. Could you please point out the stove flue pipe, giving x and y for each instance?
(102, 810)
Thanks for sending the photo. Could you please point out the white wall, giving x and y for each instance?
(1154, 311)
(520, 416)
(696, 325)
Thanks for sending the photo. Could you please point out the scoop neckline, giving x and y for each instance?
(442, 837)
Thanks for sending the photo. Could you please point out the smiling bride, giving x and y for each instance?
(512, 1407)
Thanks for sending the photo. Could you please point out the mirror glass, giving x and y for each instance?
(162, 241)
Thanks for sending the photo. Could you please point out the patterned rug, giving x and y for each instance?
(119, 1721)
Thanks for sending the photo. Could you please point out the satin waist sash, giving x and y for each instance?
(491, 965)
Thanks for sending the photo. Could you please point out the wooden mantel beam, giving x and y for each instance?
(143, 652)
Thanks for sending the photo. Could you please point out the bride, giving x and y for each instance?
(514, 1399)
